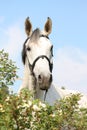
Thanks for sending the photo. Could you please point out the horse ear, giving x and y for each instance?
(28, 27)
(48, 26)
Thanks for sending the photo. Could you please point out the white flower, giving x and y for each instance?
(25, 105)
(36, 108)
(60, 111)
(53, 115)
(1, 108)
(15, 126)
(29, 103)
(20, 117)
(42, 104)
(24, 100)
(26, 129)
(33, 114)
(7, 99)
(20, 106)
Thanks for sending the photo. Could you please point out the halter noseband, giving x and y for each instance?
(39, 57)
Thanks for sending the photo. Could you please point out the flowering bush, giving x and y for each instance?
(7, 73)
(7, 70)
(22, 112)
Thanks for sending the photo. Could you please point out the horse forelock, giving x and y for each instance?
(35, 35)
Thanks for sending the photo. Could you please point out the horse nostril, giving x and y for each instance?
(39, 77)
(51, 78)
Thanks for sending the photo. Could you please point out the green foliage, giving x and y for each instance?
(7, 70)
(7, 73)
(22, 112)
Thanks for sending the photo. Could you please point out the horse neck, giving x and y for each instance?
(28, 80)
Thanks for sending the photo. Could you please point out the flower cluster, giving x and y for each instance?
(1, 108)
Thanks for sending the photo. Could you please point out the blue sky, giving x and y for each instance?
(69, 36)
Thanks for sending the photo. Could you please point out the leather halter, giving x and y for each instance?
(31, 66)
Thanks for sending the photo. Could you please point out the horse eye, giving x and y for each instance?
(51, 50)
(28, 48)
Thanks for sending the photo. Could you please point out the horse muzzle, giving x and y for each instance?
(44, 82)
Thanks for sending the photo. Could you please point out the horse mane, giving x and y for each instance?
(24, 52)
(34, 38)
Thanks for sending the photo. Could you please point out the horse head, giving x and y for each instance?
(37, 53)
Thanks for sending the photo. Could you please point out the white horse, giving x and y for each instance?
(37, 57)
